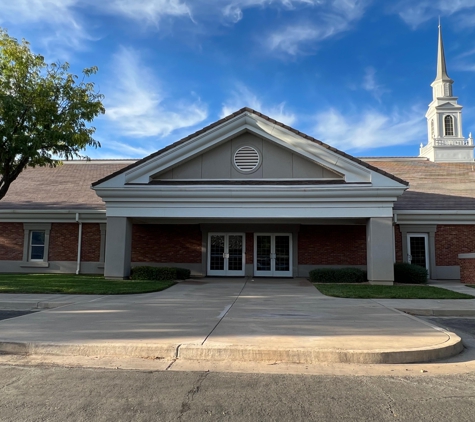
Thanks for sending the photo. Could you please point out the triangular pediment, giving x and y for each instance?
(281, 153)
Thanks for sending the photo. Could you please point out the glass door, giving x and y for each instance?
(417, 246)
(273, 255)
(226, 254)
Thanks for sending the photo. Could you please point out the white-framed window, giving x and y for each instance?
(449, 125)
(36, 244)
(432, 128)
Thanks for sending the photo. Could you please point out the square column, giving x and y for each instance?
(118, 248)
(380, 250)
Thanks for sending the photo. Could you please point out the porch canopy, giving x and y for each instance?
(248, 170)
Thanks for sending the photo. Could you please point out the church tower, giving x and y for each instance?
(444, 119)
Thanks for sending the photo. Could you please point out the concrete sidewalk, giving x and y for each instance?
(226, 319)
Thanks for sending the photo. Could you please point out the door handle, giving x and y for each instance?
(225, 255)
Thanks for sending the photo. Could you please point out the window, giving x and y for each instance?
(449, 125)
(432, 129)
(37, 245)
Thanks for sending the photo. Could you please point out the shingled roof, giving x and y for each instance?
(433, 186)
(64, 187)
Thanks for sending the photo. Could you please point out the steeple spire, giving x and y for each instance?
(441, 66)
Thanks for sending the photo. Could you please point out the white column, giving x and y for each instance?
(118, 248)
(380, 250)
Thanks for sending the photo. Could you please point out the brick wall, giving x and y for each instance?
(11, 241)
(467, 270)
(332, 245)
(398, 243)
(249, 248)
(450, 240)
(166, 243)
(91, 242)
(63, 242)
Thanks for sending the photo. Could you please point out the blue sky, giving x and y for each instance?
(353, 73)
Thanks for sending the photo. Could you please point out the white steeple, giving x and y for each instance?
(444, 119)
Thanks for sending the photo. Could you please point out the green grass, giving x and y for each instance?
(367, 291)
(76, 284)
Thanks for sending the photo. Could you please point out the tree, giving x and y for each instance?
(44, 111)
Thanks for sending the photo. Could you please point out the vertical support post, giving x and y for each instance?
(380, 250)
(118, 248)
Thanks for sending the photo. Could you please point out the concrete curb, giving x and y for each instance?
(439, 312)
(31, 306)
(451, 347)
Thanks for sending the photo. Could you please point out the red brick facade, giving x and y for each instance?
(166, 243)
(332, 245)
(249, 248)
(467, 270)
(11, 241)
(63, 242)
(450, 240)
(91, 242)
(398, 243)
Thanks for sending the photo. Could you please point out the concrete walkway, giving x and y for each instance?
(226, 319)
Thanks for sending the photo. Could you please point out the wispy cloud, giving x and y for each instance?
(371, 85)
(233, 9)
(139, 107)
(370, 129)
(241, 96)
(415, 13)
(151, 11)
(334, 17)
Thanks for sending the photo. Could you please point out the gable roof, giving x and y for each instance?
(262, 116)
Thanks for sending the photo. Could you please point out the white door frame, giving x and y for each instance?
(273, 272)
(426, 247)
(226, 271)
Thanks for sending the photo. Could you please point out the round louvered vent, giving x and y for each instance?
(246, 159)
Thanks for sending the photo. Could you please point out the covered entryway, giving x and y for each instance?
(273, 255)
(226, 254)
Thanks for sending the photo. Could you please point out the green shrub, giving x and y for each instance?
(182, 273)
(153, 273)
(338, 275)
(409, 273)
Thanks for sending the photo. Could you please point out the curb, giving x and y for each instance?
(451, 347)
(439, 312)
(30, 306)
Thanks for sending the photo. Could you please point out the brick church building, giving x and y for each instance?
(249, 196)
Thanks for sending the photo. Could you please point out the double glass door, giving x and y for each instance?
(417, 246)
(273, 255)
(226, 254)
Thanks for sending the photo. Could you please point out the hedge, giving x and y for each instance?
(182, 273)
(338, 275)
(153, 273)
(409, 273)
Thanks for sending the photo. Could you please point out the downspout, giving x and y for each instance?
(78, 266)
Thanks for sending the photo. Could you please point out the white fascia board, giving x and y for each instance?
(49, 216)
(226, 193)
(208, 211)
(434, 216)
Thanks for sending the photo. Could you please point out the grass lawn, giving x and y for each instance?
(76, 284)
(367, 291)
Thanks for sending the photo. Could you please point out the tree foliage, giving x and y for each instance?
(44, 111)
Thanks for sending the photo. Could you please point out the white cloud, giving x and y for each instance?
(243, 97)
(415, 13)
(335, 16)
(151, 11)
(233, 10)
(370, 129)
(139, 107)
(371, 85)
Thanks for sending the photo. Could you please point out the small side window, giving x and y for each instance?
(37, 245)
